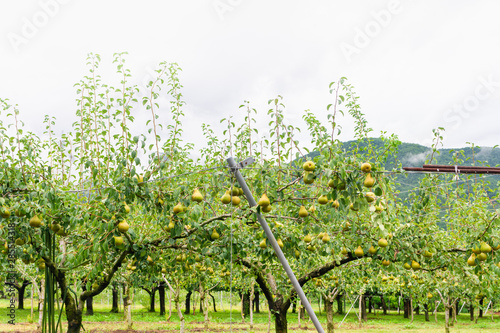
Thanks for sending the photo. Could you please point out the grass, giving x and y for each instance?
(104, 321)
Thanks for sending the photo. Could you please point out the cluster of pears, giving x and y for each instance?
(480, 253)
(308, 167)
(232, 196)
(264, 203)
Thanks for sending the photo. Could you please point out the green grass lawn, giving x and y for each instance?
(224, 321)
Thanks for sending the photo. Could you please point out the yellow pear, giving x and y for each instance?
(312, 209)
(485, 248)
(123, 226)
(335, 204)
(325, 238)
(307, 238)
(476, 250)
(323, 200)
(303, 211)
(372, 250)
(370, 196)
(267, 209)
(127, 208)
(359, 251)
(406, 265)
(309, 166)
(308, 177)
(352, 207)
(35, 222)
(344, 251)
(297, 253)
(472, 260)
(331, 183)
(369, 181)
(427, 254)
(415, 265)
(235, 201)
(280, 243)
(171, 225)
(215, 235)
(226, 198)
(118, 240)
(197, 196)
(386, 262)
(382, 242)
(264, 201)
(366, 167)
(150, 260)
(482, 256)
(178, 208)
(429, 295)
(263, 244)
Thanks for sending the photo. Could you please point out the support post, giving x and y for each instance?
(235, 169)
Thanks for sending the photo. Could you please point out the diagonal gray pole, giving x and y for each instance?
(235, 169)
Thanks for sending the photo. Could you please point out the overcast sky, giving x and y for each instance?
(416, 65)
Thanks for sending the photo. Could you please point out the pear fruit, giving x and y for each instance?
(127, 208)
(323, 200)
(366, 167)
(472, 260)
(20, 241)
(485, 248)
(325, 238)
(308, 177)
(226, 198)
(312, 209)
(5, 212)
(406, 265)
(386, 262)
(178, 208)
(235, 201)
(164, 270)
(476, 250)
(429, 295)
(118, 240)
(303, 212)
(344, 251)
(264, 201)
(382, 242)
(197, 196)
(482, 256)
(123, 226)
(309, 166)
(369, 181)
(267, 209)
(359, 251)
(297, 253)
(415, 265)
(427, 254)
(307, 238)
(280, 243)
(353, 208)
(215, 235)
(331, 183)
(35, 222)
(263, 244)
(335, 204)
(372, 250)
(171, 225)
(370, 196)
(150, 260)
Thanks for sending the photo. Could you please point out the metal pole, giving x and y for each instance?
(235, 169)
(348, 311)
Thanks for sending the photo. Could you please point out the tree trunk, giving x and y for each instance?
(384, 305)
(364, 315)
(426, 311)
(252, 297)
(471, 311)
(406, 308)
(20, 292)
(256, 302)
(152, 299)
(370, 305)
(178, 306)
(161, 292)
(245, 304)
(280, 323)
(340, 308)
(114, 307)
(213, 301)
(329, 315)
(188, 302)
(417, 310)
(481, 309)
(446, 320)
(90, 306)
(127, 305)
